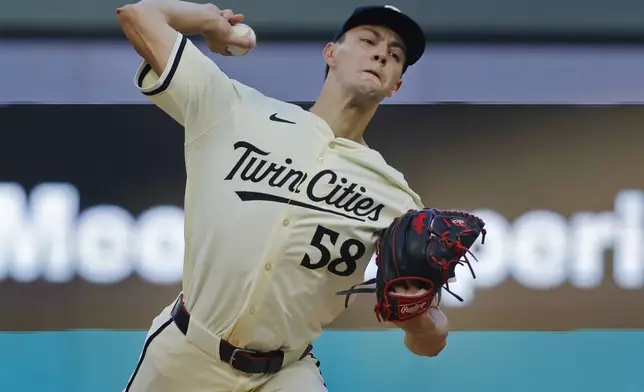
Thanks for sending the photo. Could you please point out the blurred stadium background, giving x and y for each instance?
(528, 112)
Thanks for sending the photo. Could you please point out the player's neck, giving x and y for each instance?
(346, 119)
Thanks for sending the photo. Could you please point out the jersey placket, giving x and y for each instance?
(279, 235)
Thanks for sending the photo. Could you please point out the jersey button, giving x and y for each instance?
(320, 159)
(285, 222)
(268, 266)
(251, 310)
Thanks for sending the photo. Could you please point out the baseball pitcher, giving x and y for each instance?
(284, 207)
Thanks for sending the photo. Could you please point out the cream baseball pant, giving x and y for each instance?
(169, 362)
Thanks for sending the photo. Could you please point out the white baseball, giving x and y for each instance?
(242, 30)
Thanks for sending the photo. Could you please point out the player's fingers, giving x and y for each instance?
(407, 286)
(226, 14)
(237, 18)
(242, 42)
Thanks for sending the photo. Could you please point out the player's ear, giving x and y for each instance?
(329, 54)
(395, 89)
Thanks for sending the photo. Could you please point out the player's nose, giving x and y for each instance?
(381, 58)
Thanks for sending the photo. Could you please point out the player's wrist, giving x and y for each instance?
(425, 344)
(211, 26)
(419, 325)
(427, 336)
(427, 325)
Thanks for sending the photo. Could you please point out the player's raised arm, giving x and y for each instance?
(175, 75)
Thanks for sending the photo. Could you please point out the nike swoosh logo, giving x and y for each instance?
(274, 117)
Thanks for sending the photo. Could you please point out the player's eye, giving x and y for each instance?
(395, 55)
(368, 41)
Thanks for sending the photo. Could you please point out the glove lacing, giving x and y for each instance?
(445, 265)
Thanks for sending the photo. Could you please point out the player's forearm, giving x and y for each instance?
(428, 336)
(184, 17)
(151, 26)
(426, 344)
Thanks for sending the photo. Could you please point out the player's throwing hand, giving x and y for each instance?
(221, 34)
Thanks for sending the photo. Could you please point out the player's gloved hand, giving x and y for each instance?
(434, 319)
(419, 250)
(220, 34)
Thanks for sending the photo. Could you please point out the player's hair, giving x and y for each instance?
(337, 41)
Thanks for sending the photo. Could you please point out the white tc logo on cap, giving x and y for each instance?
(391, 7)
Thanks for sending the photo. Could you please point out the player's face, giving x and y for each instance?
(369, 61)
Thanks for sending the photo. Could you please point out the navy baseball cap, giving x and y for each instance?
(391, 17)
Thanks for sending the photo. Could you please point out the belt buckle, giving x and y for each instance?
(235, 352)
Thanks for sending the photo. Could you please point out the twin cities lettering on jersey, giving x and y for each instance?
(347, 197)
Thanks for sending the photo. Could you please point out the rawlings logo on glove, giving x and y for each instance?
(420, 249)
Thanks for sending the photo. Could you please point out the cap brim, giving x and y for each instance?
(409, 31)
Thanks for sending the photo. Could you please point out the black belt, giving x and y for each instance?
(247, 361)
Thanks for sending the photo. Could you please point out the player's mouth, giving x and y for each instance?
(372, 72)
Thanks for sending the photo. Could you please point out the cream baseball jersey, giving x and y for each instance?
(280, 214)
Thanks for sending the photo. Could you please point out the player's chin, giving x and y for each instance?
(369, 92)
